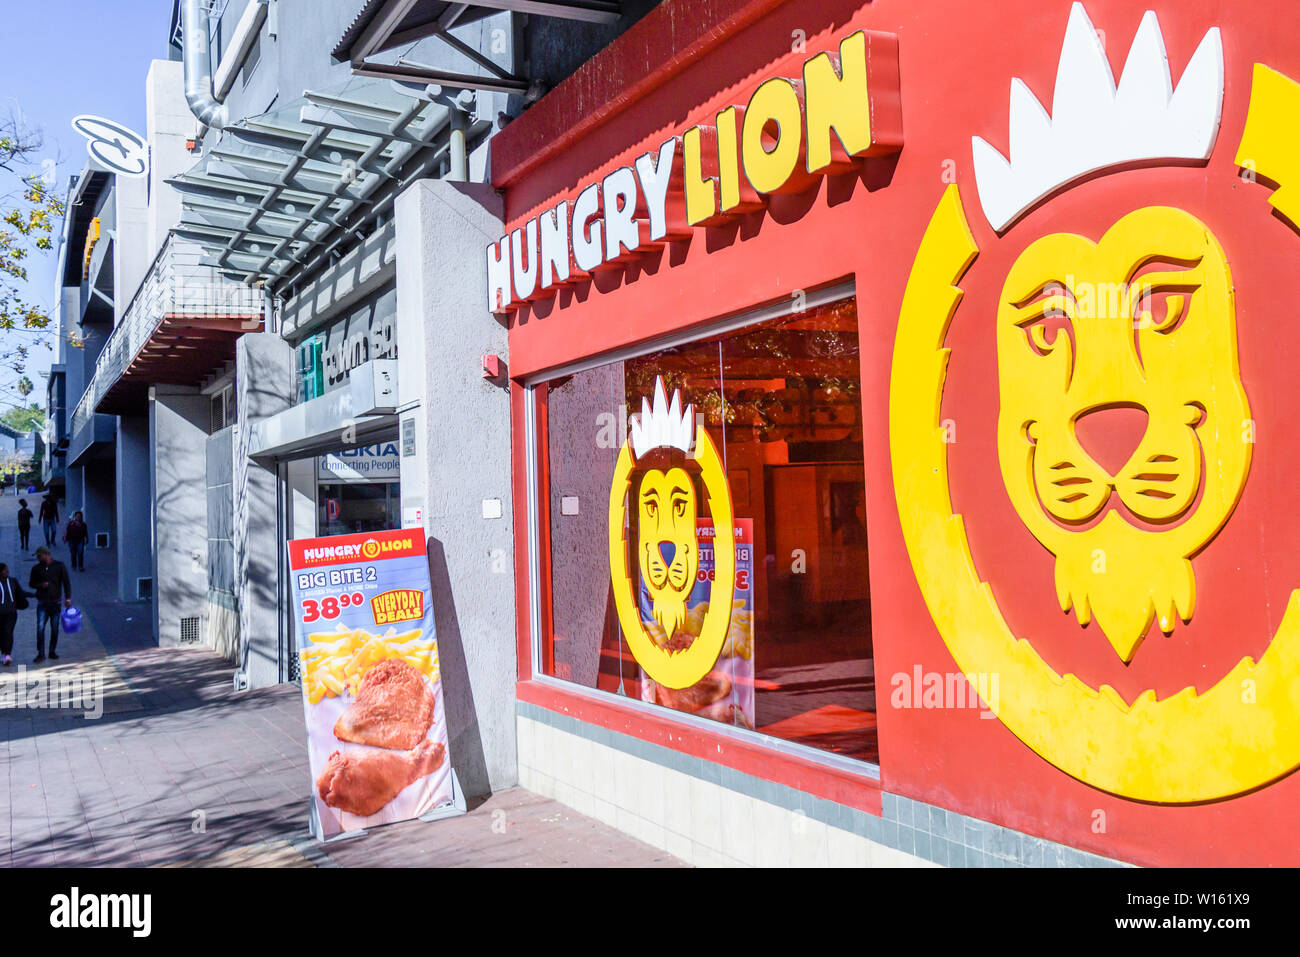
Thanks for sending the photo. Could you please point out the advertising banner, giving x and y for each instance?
(726, 693)
(366, 463)
(368, 656)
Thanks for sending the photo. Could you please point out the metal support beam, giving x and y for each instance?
(592, 11)
(409, 73)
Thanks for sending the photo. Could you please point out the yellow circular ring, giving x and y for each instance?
(1242, 733)
(679, 669)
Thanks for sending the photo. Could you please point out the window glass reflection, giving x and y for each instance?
(781, 402)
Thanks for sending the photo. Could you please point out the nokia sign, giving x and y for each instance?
(369, 463)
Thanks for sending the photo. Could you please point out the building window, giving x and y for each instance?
(224, 410)
(780, 401)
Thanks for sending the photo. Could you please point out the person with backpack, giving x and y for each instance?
(76, 535)
(49, 519)
(50, 581)
(24, 525)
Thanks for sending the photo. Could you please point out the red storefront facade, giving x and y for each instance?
(899, 350)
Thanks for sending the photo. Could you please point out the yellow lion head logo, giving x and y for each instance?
(1139, 326)
(667, 546)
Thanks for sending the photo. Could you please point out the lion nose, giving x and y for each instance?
(667, 550)
(1111, 434)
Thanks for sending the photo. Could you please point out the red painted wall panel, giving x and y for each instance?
(956, 63)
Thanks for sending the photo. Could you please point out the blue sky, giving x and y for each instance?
(61, 58)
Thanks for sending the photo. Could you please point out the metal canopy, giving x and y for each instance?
(384, 25)
(282, 192)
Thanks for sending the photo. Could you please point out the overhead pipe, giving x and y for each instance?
(198, 65)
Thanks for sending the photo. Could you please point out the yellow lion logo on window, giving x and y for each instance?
(667, 505)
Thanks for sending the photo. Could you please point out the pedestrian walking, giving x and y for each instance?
(24, 525)
(53, 590)
(49, 519)
(76, 535)
(12, 600)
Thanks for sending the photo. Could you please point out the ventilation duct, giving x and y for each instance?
(198, 65)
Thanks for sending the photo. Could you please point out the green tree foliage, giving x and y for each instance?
(29, 210)
(24, 420)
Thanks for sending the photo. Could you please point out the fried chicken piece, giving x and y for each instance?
(712, 687)
(393, 708)
(363, 782)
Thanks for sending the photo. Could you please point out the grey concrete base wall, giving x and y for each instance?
(134, 505)
(223, 606)
(264, 386)
(222, 622)
(442, 229)
(99, 499)
(180, 510)
(74, 495)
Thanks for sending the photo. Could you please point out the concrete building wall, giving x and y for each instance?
(300, 476)
(460, 470)
(98, 481)
(74, 495)
(222, 634)
(264, 383)
(179, 420)
(75, 358)
(131, 252)
(133, 505)
(170, 124)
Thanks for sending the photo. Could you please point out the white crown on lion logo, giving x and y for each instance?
(1095, 125)
(663, 425)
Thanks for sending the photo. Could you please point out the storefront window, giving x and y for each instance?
(780, 403)
(346, 508)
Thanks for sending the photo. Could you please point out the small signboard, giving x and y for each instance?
(371, 681)
(367, 463)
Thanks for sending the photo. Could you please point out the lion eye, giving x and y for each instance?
(1046, 332)
(1162, 311)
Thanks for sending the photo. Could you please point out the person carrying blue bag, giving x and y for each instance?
(53, 588)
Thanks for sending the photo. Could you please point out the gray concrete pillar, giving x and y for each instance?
(74, 494)
(99, 501)
(134, 505)
(263, 386)
(179, 420)
(456, 465)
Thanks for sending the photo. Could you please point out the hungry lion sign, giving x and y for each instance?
(1006, 403)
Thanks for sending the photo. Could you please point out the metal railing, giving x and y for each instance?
(176, 284)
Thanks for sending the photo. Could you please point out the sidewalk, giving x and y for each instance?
(181, 770)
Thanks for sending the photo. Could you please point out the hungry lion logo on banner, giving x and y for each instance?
(1127, 328)
(662, 523)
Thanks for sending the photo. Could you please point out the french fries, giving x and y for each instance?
(739, 642)
(336, 661)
